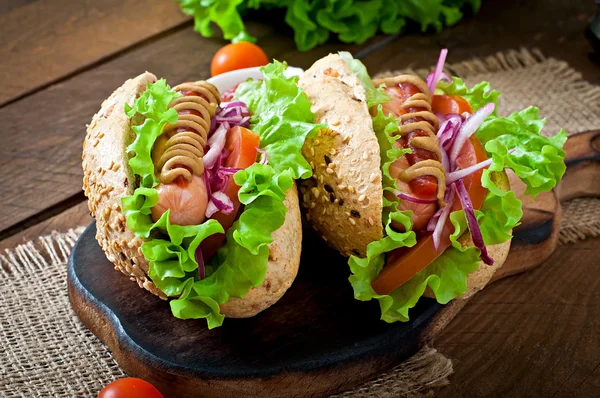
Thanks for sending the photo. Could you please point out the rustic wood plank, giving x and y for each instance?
(534, 334)
(78, 215)
(47, 40)
(44, 159)
(554, 26)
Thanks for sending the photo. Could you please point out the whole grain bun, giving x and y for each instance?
(343, 199)
(108, 178)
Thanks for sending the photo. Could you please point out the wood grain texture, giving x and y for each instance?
(534, 335)
(44, 158)
(47, 40)
(583, 167)
(76, 216)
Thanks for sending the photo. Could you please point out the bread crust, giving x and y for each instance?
(108, 178)
(284, 260)
(343, 200)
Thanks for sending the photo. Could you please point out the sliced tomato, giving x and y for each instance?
(242, 145)
(446, 104)
(402, 264)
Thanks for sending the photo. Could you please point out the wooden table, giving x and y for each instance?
(536, 334)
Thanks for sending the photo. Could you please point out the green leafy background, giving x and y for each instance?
(314, 21)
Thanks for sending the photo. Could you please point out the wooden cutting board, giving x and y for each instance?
(317, 339)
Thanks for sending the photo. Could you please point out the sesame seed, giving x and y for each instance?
(332, 151)
(329, 170)
(341, 202)
(328, 188)
(346, 139)
(352, 221)
(370, 220)
(332, 165)
(336, 123)
(373, 177)
(324, 198)
(317, 142)
(316, 192)
(321, 178)
(327, 159)
(351, 189)
(354, 213)
(361, 198)
(312, 165)
(312, 205)
(312, 151)
(365, 155)
(322, 165)
(342, 186)
(324, 209)
(319, 133)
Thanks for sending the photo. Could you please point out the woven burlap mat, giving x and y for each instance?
(47, 352)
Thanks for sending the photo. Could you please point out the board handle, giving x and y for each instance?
(537, 236)
(582, 178)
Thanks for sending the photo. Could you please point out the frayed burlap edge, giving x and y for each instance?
(33, 257)
(416, 377)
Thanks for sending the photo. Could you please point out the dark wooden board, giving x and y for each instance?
(316, 340)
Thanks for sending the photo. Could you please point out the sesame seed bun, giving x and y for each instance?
(343, 199)
(108, 178)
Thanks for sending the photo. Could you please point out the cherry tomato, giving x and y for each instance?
(130, 387)
(446, 104)
(241, 144)
(237, 56)
(402, 264)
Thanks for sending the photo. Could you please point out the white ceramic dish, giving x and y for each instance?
(228, 80)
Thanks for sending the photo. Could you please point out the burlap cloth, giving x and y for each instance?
(47, 352)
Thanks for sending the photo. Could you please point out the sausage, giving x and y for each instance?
(419, 173)
(178, 152)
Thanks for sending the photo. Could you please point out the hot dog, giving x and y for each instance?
(159, 168)
(409, 180)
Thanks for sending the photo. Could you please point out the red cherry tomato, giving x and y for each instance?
(241, 144)
(237, 56)
(446, 104)
(130, 387)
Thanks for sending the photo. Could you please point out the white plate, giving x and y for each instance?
(228, 80)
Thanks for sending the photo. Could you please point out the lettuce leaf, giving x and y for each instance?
(537, 160)
(281, 116)
(478, 96)
(353, 21)
(241, 262)
(374, 95)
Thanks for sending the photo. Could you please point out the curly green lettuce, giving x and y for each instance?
(537, 160)
(313, 21)
(281, 116)
(241, 261)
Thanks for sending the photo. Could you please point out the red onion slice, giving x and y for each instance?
(442, 218)
(467, 206)
(438, 74)
(414, 199)
(263, 156)
(200, 260)
(217, 143)
(468, 128)
(459, 174)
